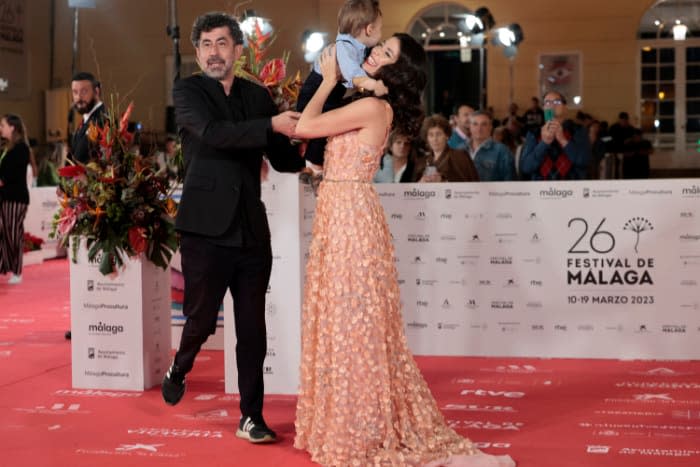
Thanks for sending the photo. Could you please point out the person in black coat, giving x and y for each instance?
(86, 101)
(225, 126)
(14, 195)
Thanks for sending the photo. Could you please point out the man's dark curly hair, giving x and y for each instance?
(213, 20)
(405, 79)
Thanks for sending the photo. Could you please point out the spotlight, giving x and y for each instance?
(250, 19)
(509, 36)
(312, 44)
(480, 21)
(679, 31)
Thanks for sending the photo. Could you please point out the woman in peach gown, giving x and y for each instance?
(362, 400)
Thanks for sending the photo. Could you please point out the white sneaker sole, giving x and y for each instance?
(245, 435)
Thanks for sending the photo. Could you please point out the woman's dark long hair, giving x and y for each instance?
(405, 79)
(19, 133)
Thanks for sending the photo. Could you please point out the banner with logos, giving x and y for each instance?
(281, 195)
(590, 269)
(120, 324)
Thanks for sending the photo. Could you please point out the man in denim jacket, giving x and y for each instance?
(493, 160)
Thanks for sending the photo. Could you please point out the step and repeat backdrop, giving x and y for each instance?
(598, 269)
(567, 269)
(573, 269)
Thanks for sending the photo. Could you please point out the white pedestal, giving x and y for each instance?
(120, 324)
(32, 257)
(42, 207)
(281, 194)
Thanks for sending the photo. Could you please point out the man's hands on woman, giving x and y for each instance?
(285, 123)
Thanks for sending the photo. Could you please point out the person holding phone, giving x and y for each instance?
(560, 150)
(443, 164)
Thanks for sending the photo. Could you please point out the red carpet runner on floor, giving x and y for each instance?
(543, 412)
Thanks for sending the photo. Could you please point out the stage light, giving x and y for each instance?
(509, 35)
(680, 30)
(312, 44)
(480, 21)
(250, 19)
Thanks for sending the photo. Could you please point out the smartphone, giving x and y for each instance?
(548, 114)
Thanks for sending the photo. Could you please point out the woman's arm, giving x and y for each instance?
(361, 114)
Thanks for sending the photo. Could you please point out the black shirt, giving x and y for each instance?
(240, 233)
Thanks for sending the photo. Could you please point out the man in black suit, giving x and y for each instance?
(85, 90)
(86, 101)
(225, 125)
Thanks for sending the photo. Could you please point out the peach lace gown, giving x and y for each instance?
(362, 400)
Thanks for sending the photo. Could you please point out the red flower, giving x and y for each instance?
(137, 239)
(273, 72)
(124, 122)
(71, 171)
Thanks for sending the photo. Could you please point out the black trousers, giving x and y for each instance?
(209, 270)
(316, 147)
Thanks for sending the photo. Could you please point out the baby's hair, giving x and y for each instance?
(355, 15)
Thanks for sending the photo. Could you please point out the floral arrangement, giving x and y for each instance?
(269, 72)
(31, 242)
(116, 201)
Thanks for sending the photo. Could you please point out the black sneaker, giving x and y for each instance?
(173, 387)
(255, 432)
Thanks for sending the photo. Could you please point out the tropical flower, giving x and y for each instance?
(269, 72)
(117, 201)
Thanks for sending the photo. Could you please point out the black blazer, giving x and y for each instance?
(13, 173)
(81, 149)
(223, 156)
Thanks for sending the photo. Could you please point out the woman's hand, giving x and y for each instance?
(329, 64)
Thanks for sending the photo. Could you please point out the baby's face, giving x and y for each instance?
(373, 32)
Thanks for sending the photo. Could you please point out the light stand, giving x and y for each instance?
(77, 5)
(478, 24)
(173, 31)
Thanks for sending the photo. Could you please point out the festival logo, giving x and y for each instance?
(593, 261)
(638, 225)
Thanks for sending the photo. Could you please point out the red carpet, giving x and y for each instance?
(544, 413)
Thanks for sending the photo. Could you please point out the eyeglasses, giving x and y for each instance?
(553, 102)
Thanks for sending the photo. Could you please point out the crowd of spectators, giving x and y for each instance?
(542, 143)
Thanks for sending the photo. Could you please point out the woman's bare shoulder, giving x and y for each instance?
(373, 107)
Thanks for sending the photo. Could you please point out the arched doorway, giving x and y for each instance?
(457, 68)
(669, 79)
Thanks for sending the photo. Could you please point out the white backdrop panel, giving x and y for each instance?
(568, 269)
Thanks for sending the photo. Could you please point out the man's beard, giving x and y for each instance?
(83, 107)
(220, 72)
